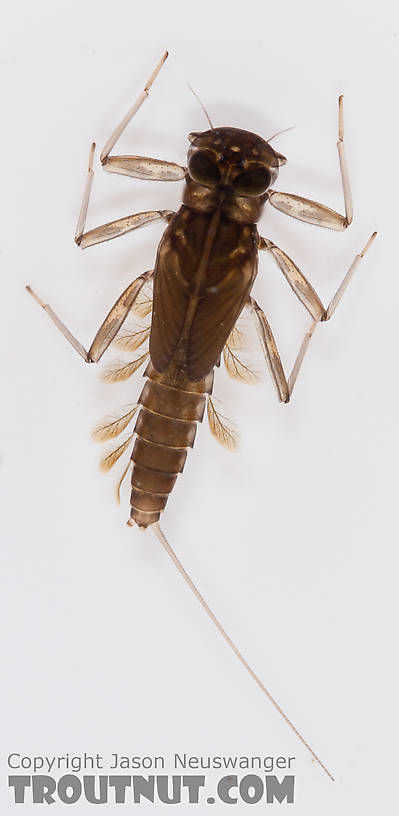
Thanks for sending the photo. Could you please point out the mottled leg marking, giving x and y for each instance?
(299, 284)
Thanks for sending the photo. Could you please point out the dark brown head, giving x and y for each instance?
(233, 158)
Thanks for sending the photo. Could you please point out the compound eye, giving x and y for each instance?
(252, 182)
(203, 170)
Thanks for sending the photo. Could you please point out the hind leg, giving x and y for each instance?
(109, 327)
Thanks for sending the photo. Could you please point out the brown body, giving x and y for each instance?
(206, 265)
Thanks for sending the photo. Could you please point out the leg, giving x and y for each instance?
(114, 228)
(140, 166)
(270, 351)
(311, 211)
(110, 326)
(137, 166)
(300, 286)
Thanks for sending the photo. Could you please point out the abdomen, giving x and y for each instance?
(165, 429)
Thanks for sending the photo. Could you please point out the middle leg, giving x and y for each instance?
(307, 295)
(301, 286)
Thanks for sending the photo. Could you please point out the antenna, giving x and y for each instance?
(279, 133)
(202, 106)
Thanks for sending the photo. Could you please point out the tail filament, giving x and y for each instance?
(165, 544)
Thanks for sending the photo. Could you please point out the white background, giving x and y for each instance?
(292, 540)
